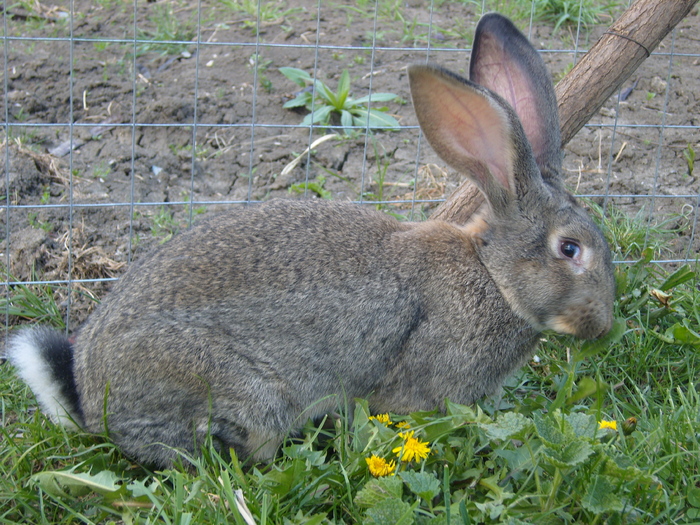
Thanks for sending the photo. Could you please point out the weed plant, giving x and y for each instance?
(588, 432)
(323, 104)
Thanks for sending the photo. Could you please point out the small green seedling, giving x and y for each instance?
(164, 225)
(261, 64)
(689, 156)
(314, 186)
(324, 104)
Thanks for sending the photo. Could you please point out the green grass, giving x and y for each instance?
(559, 13)
(164, 225)
(165, 27)
(573, 12)
(535, 455)
(258, 12)
(31, 303)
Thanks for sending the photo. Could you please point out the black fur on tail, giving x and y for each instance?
(43, 358)
(58, 353)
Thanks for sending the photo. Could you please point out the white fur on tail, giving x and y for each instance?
(26, 356)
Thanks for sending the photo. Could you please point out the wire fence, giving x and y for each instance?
(126, 121)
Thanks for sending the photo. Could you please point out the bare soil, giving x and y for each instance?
(179, 130)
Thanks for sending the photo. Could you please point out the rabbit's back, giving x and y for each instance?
(278, 303)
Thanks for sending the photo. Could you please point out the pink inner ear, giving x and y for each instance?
(465, 129)
(498, 72)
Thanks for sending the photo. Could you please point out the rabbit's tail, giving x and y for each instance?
(43, 358)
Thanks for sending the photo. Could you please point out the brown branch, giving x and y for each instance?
(601, 71)
(616, 55)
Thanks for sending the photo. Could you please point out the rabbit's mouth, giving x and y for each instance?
(585, 325)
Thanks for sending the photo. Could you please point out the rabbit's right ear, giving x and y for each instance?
(473, 132)
(504, 61)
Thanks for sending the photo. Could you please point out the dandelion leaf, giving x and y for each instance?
(491, 509)
(499, 494)
(463, 414)
(455, 519)
(622, 469)
(425, 485)
(300, 517)
(682, 335)
(600, 496)
(593, 347)
(392, 510)
(586, 387)
(378, 490)
(439, 428)
(680, 276)
(144, 490)
(509, 425)
(72, 484)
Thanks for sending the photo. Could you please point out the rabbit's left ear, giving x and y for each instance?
(504, 61)
(473, 132)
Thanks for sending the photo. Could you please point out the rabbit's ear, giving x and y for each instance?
(472, 131)
(504, 61)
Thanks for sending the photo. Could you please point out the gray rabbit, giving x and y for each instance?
(255, 320)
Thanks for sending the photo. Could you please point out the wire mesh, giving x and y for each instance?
(124, 122)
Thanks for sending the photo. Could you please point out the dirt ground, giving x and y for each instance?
(127, 187)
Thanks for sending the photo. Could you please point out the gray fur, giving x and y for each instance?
(251, 322)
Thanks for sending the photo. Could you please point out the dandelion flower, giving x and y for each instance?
(403, 424)
(629, 425)
(382, 418)
(612, 425)
(412, 449)
(406, 435)
(379, 467)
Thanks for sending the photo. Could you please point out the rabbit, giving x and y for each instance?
(255, 320)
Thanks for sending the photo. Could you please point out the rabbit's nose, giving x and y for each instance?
(606, 328)
(585, 319)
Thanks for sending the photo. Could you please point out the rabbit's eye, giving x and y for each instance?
(570, 249)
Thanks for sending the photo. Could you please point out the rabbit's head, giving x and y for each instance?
(501, 129)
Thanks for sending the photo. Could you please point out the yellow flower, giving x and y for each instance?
(412, 449)
(607, 424)
(379, 466)
(406, 435)
(382, 418)
(403, 424)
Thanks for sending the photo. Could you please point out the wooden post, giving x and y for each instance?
(601, 71)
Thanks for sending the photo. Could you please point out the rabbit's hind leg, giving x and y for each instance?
(261, 444)
(154, 441)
